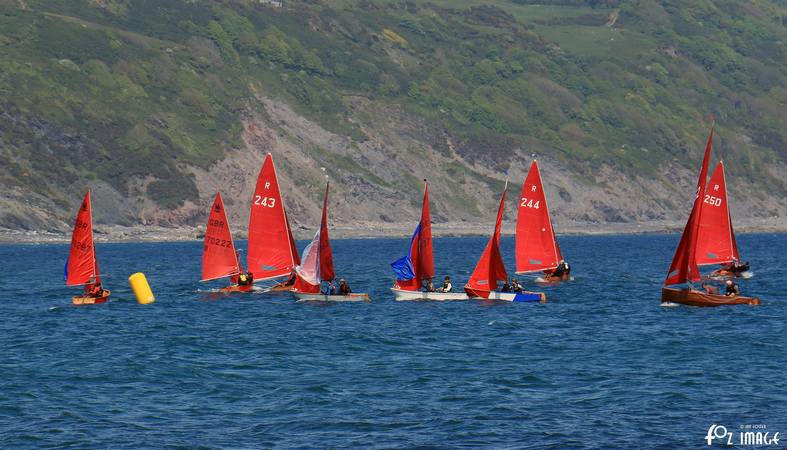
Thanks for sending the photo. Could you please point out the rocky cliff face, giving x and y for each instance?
(375, 183)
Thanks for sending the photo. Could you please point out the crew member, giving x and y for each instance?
(732, 289)
(344, 288)
(447, 286)
(515, 286)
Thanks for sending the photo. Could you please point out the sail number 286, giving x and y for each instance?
(528, 203)
(711, 200)
(264, 201)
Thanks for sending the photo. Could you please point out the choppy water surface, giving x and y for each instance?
(600, 365)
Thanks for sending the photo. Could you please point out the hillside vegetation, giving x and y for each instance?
(141, 96)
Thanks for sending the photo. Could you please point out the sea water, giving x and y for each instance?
(602, 364)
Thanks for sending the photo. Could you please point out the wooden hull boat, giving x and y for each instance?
(307, 297)
(284, 286)
(88, 300)
(405, 295)
(547, 278)
(692, 297)
(237, 288)
(524, 296)
(724, 273)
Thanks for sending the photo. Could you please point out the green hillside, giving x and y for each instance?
(112, 89)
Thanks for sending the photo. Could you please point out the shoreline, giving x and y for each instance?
(372, 230)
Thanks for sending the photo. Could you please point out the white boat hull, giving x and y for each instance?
(403, 295)
(306, 297)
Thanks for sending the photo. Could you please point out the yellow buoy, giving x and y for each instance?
(141, 288)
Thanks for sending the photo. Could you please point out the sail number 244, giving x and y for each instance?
(528, 203)
(270, 202)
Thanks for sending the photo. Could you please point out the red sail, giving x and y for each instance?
(218, 252)
(81, 267)
(684, 265)
(270, 249)
(536, 248)
(307, 277)
(424, 262)
(490, 268)
(715, 241)
(326, 257)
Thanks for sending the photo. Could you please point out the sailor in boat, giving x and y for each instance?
(430, 286)
(515, 286)
(734, 268)
(506, 287)
(732, 289)
(447, 286)
(344, 288)
(245, 279)
(562, 269)
(94, 290)
(329, 289)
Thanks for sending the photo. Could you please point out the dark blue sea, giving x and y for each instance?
(601, 365)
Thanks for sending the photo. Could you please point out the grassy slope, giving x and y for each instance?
(113, 89)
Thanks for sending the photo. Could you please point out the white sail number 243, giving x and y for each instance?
(528, 203)
(711, 200)
(264, 201)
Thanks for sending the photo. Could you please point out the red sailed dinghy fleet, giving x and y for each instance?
(417, 267)
(707, 239)
(317, 267)
(707, 232)
(82, 266)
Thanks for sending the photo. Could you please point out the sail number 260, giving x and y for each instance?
(711, 200)
(264, 201)
(528, 203)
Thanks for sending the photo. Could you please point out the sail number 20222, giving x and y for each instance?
(270, 202)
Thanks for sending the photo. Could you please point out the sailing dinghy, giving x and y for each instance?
(716, 238)
(490, 270)
(82, 266)
(317, 266)
(272, 253)
(419, 263)
(684, 268)
(219, 258)
(536, 245)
